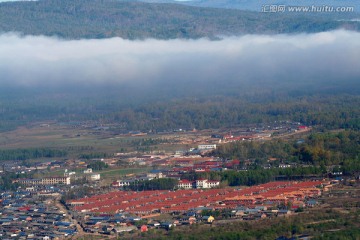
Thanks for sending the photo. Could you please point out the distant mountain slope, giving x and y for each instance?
(256, 5)
(76, 19)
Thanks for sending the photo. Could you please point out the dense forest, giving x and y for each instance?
(330, 112)
(192, 110)
(6, 181)
(317, 149)
(97, 165)
(258, 175)
(137, 20)
(319, 155)
(30, 153)
(154, 184)
(255, 5)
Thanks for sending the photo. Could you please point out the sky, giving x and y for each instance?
(328, 57)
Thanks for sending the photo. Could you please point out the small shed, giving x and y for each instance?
(208, 219)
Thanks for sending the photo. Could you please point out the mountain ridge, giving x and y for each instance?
(78, 19)
(256, 5)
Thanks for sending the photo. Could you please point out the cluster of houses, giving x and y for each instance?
(121, 211)
(24, 215)
(175, 167)
(124, 222)
(91, 176)
(58, 180)
(155, 174)
(16, 167)
(182, 201)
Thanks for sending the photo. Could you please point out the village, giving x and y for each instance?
(191, 206)
(33, 215)
(108, 196)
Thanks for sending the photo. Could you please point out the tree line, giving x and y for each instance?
(257, 176)
(31, 153)
(97, 165)
(186, 109)
(154, 184)
(316, 149)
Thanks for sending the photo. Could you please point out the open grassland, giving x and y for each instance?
(114, 173)
(75, 141)
(85, 142)
(51, 173)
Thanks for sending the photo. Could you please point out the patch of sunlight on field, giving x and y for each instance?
(109, 173)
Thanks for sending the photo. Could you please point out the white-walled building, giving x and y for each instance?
(94, 177)
(207, 147)
(204, 183)
(200, 183)
(185, 184)
(45, 181)
(122, 183)
(154, 175)
(89, 170)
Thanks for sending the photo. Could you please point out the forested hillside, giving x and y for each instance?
(257, 5)
(75, 19)
(317, 149)
(166, 113)
(184, 97)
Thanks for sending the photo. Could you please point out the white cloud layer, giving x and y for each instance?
(34, 60)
